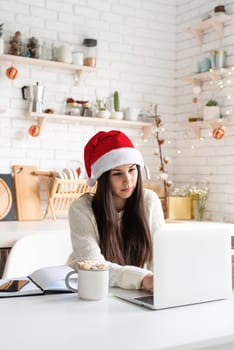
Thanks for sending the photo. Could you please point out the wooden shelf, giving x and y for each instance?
(212, 75)
(197, 126)
(44, 63)
(216, 23)
(146, 126)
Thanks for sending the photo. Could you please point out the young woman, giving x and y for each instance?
(118, 222)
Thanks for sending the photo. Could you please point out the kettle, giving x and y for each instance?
(35, 95)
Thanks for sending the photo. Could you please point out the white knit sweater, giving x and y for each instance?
(85, 239)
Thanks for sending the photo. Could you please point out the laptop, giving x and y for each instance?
(191, 265)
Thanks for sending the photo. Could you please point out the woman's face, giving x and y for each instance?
(123, 181)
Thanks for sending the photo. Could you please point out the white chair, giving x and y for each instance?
(36, 251)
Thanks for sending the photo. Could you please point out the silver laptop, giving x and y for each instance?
(191, 265)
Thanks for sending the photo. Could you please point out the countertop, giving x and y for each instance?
(11, 231)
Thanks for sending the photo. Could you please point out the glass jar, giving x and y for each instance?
(90, 52)
(73, 109)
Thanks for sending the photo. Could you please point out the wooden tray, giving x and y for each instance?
(63, 193)
(5, 199)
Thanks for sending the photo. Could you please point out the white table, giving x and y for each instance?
(64, 322)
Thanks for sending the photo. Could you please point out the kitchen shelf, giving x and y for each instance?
(198, 125)
(212, 75)
(216, 23)
(45, 63)
(146, 126)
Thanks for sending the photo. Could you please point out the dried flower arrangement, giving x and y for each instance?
(198, 193)
(164, 160)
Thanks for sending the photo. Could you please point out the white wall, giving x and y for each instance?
(206, 159)
(144, 52)
(136, 55)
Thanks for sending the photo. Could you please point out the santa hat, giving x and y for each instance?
(107, 150)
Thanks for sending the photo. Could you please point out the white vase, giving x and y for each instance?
(103, 114)
(1, 46)
(211, 112)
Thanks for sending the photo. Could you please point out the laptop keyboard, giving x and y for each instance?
(149, 299)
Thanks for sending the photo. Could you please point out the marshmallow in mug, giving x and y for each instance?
(91, 265)
(93, 280)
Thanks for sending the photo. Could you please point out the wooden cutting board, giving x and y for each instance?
(7, 198)
(27, 193)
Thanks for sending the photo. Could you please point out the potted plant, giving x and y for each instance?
(211, 110)
(116, 114)
(102, 111)
(1, 40)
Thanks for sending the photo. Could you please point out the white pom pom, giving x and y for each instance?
(91, 182)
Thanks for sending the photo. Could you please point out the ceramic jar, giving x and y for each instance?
(63, 53)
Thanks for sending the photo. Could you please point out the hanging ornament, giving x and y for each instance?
(34, 130)
(218, 133)
(12, 73)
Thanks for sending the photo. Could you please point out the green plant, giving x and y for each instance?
(116, 102)
(212, 103)
(100, 104)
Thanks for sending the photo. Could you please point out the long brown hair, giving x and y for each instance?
(130, 242)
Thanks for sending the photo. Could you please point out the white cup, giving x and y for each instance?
(92, 284)
(63, 53)
(78, 58)
(131, 113)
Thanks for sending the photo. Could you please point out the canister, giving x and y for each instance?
(205, 64)
(90, 52)
(218, 59)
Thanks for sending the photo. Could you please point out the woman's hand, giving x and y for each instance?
(147, 282)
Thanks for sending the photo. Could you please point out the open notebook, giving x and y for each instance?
(46, 280)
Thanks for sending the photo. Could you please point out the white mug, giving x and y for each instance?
(92, 284)
(131, 113)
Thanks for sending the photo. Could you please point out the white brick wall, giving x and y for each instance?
(136, 45)
(144, 52)
(207, 159)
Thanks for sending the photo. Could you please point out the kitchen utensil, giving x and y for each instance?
(27, 190)
(35, 95)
